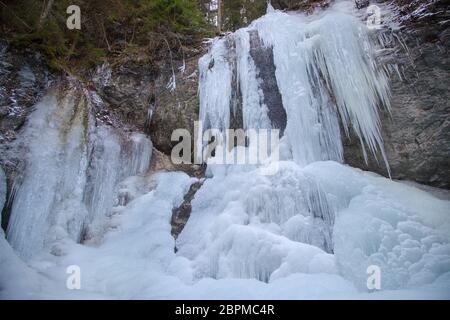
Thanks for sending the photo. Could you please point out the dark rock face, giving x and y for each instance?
(181, 214)
(236, 116)
(417, 133)
(3, 192)
(128, 89)
(175, 108)
(361, 3)
(263, 59)
(304, 5)
(23, 80)
(156, 97)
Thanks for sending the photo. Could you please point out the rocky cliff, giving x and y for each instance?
(417, 131)
(159, 96)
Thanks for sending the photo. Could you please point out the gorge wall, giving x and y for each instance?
(415, 132)
(159, 96)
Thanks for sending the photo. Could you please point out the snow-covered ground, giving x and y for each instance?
(238, 245)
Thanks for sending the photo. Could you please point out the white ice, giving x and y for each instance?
(72, 169)
(232, 249)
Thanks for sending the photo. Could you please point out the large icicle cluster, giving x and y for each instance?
(71, 172)
(325, 67)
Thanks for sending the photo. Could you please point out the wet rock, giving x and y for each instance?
(263, 58)
(181, 214)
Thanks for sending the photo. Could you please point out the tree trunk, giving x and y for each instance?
(45, 13)
(219, 15)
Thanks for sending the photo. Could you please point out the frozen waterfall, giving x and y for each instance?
(324, 68)
(311, 216)
(309, 231)
(71, 172)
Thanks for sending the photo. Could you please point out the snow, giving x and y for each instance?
(403, 230)
(308, 231)
(227, 251)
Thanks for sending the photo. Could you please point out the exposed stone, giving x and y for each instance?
(128, 89)
(417, 133)
(23, 81)
(177, 108)
(303, 5)
(3, 189)
(181, 214)
(154, 96)
(162, 162)
(361, 3)
(263, 58)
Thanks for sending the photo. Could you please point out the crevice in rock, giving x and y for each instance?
(263, 59)
(181, 214)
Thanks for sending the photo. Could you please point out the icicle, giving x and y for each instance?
(215, 86)
(324, 68)
(71, 174)
(51, 192)
(253, 111)
(270, 8)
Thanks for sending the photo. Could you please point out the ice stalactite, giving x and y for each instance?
(324, 68)
(51, 191)
(215, 72)
(71, 172)
(113, 159)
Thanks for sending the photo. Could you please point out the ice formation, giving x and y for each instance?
(245, 225)
(325, 67)
(71, 172)
(308, 231)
